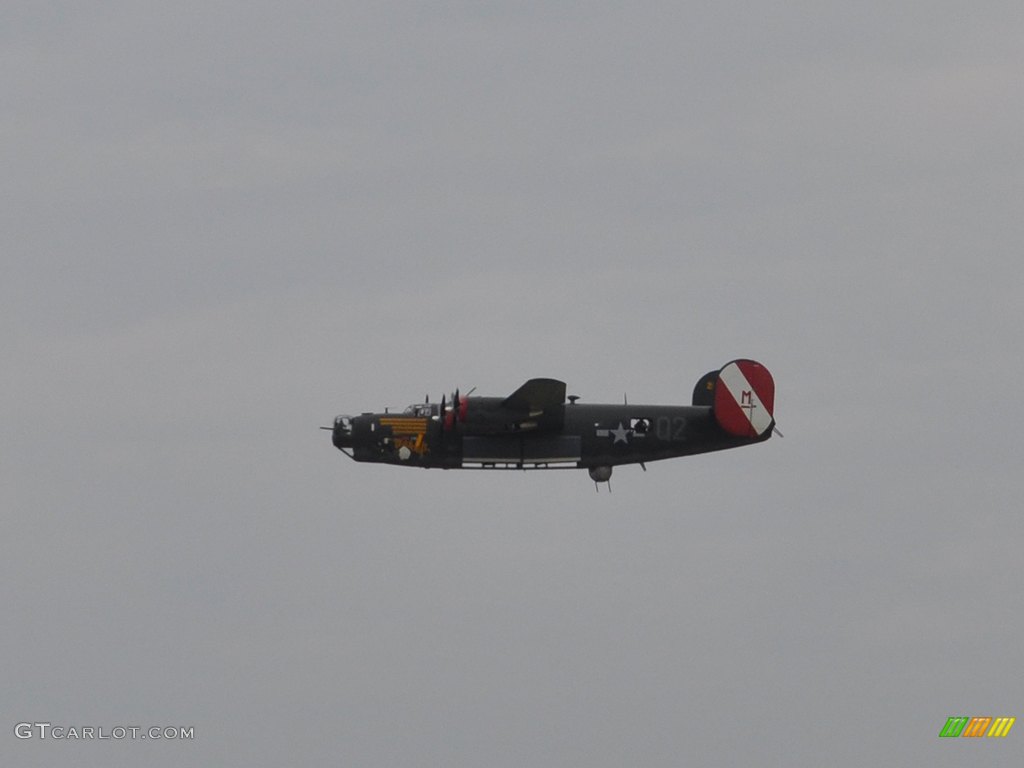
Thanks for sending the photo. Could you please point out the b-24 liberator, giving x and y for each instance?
(535, 428)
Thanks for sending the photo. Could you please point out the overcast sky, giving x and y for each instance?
(223, 224)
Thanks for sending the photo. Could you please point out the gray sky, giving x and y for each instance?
(224, 225)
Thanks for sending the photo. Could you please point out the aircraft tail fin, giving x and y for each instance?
(704, 391)
(742, 397)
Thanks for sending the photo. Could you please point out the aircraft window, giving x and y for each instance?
(640, 426)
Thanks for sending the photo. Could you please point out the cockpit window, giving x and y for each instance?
(420, 409)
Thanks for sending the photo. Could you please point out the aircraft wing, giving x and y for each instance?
(536, 396)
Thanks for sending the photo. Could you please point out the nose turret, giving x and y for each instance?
(342, 434)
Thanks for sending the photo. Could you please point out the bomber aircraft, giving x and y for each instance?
(534, 428)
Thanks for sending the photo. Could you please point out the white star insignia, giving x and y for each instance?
(621, 434)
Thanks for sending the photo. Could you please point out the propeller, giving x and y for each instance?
(458, 409)
(449, 415)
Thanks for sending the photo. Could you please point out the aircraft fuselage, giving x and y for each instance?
(590, 435)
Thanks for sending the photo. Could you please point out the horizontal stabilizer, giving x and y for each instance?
(536, 395)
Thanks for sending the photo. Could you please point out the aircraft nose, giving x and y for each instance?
(342, 434)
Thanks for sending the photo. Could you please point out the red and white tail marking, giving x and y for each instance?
(745, 398)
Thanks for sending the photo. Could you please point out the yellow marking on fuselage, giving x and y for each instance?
(417, 445)
(404, 425)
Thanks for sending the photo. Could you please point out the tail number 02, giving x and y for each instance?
(667, 428)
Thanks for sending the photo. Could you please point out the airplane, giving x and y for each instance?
(534, 428)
